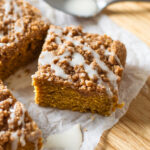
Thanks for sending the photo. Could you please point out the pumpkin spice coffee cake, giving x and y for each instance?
(17, 130)
(22, 33)
(79, 71)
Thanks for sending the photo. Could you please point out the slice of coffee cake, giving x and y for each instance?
(79, 71)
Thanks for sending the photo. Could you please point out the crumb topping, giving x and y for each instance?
(16, 127)
(18, 19)
(85, 61)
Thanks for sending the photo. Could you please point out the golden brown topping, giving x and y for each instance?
(87, 62)
(18, 19)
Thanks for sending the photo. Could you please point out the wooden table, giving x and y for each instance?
(132, 132)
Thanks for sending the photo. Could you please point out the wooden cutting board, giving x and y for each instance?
(132, 132)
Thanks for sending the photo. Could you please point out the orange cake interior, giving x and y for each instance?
(79, 71)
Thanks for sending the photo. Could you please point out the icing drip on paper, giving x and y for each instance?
(68, 140)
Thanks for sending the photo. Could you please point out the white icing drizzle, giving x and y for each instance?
(15, 137)
(18, 28)
(36, 145)
(2, 44)
(17, 10)
(58, 40)
(22, 138)
(110, 74)
(77, 59)
(75, 42)
(22, 117)
(7, 6)
(21, 121)
(49, 60)
(1, 133)
(8, 99)
(12, 114)
(56, 31)
(108, 53)
(112, 77)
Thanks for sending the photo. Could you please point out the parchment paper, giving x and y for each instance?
(52, 120)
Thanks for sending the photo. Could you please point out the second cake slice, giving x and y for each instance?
(79, 71)
(17, 130)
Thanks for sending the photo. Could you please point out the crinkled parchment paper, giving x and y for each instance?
(53, 121)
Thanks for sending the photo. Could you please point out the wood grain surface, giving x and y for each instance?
(132, 132)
